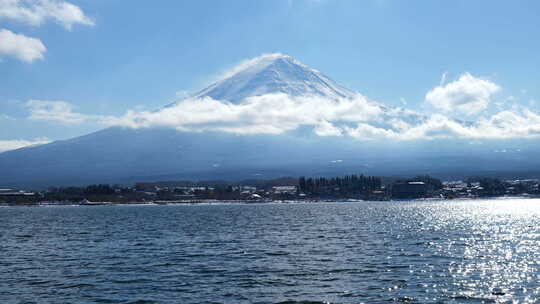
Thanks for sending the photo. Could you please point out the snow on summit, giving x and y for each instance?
(273, 94)
(270, 74)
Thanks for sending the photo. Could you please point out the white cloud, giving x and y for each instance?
(63, 112)
(468, 95)
(21, 47)
(6, 145)
(503, 125)
(366, 131)
(271, 113)
(279, 113)
(59, 111)
(358, 118)
(36, 12)
(325, 128)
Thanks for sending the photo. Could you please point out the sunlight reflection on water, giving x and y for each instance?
(483, 251)
(493, 245)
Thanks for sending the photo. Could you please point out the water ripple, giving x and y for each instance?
(406, 252)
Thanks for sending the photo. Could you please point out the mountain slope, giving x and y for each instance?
(125, 155)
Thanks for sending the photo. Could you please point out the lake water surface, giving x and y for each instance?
(383, 252)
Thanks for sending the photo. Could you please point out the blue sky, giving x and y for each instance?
(137, 55)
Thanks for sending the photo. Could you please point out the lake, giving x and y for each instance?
(363, 252)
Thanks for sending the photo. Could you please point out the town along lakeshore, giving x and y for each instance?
(302, 189)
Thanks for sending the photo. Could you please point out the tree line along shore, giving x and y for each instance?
(348, 187)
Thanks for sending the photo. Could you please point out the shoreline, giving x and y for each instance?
(247, 202)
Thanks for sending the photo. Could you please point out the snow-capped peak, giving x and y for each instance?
(273, 73)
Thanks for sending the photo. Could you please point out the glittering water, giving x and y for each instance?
(417, 252)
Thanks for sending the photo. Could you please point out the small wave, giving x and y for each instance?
(277, 253)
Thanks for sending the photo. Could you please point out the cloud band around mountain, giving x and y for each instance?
(278, 113)
(327, 114)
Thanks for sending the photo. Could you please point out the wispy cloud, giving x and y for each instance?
(6, 145)
(259, 61)
(37, 12)
(467, 95)
(59, 111)
(443, 79)
(64, 112)
(24, 48)
(6, 117)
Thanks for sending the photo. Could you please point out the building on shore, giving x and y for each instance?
(13, 192)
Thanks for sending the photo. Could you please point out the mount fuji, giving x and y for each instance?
(126, 155)
(274, 73)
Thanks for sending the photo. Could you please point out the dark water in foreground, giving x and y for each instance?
(418, 252)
